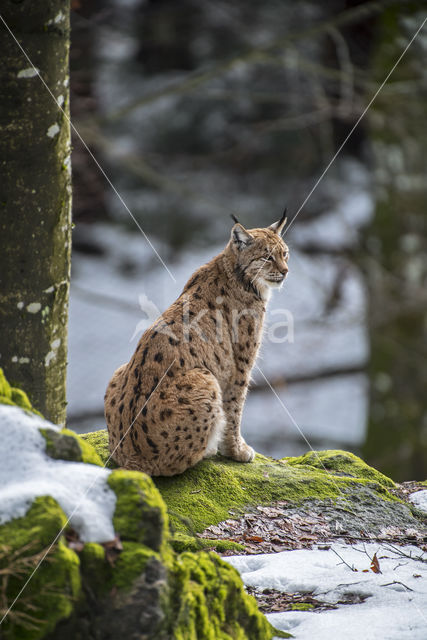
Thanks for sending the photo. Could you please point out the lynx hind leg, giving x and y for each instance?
(193, 404)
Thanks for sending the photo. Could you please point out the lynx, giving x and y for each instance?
(180, 398)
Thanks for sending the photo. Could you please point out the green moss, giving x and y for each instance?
(20, 398)
(4, 400)
(216, 488)
(103, 576)
(182, 542)
(301, 606)
(130, 564)
(210, 603)
(5, 388)
(140, 514)
(96, 572)
(99, 441)
(13, 396)
(341, 463)
(53, 589)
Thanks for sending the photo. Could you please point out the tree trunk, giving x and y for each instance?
(395, 258)
(35, 201)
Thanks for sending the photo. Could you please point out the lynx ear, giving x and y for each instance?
(280, 225)
(240, 237)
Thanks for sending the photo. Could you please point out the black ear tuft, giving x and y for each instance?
(234, 219)
(283, 218)
(280, 224)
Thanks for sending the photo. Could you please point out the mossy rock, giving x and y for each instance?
(67, 445)
(216, 488)
(336, 485)
(140, 514)
(13, 396)
(99, 442)
(103, 577)
(341, 463)
(210, 603)
(55, 585)
(159, 595)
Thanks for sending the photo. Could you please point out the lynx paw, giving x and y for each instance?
(244, 454)
(248, 454)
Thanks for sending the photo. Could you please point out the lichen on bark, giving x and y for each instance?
(35, 220)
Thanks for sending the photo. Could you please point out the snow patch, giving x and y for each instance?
(60, 100)
(30, 72)
(26, 472)
(53, 130)
(395, 602)
(20, 305)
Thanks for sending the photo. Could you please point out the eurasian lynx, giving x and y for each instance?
(180, 398)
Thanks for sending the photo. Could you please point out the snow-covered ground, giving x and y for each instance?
(112, 294)
(395, 600)
(27, 472)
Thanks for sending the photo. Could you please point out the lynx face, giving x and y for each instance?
(261, 258)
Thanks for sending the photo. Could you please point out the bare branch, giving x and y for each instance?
(193, 80)
(352, 567)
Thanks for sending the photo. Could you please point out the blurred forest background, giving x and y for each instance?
(199, 109)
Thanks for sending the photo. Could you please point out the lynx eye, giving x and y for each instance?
(286, 255)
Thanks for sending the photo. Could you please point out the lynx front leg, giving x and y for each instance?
(233, 444)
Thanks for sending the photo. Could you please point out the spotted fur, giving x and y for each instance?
(180, 397)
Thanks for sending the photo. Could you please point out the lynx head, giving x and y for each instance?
(260, 256)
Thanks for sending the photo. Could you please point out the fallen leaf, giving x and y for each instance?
(375, 565)
(254, 539)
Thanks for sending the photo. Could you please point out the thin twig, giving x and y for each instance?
(388, 584)
(352, 568)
